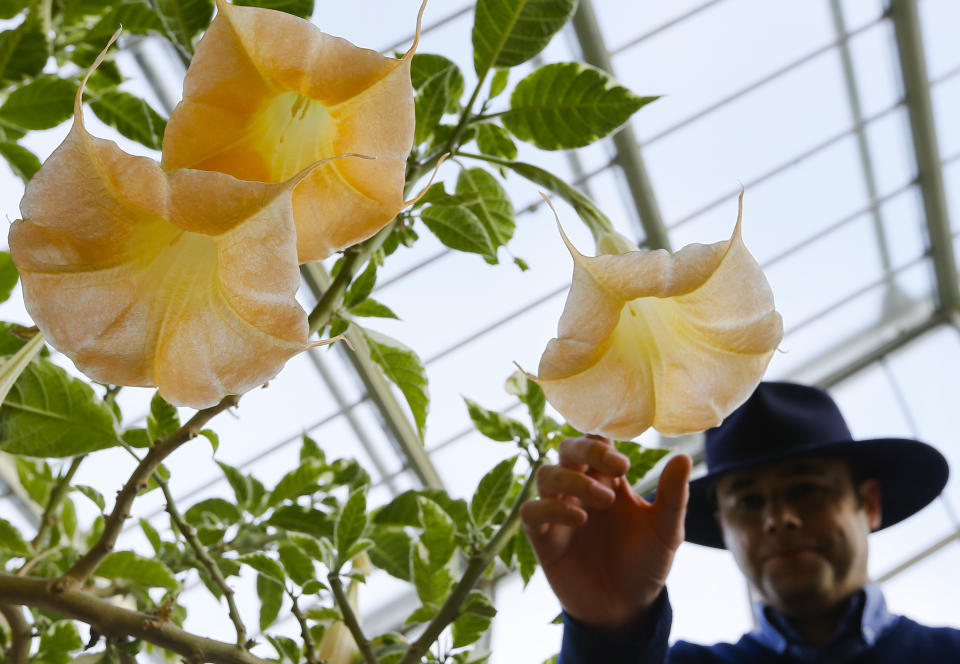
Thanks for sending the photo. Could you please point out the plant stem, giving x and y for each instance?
(475, 568)
(309, 646)
(56, 497)
(87, 563)
(465, 116)
(350, 618)
(115, 622)
(190, 535)
(20, 634)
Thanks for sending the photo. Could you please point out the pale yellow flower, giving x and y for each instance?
(649, 338)
(268, 94)
(184, 280)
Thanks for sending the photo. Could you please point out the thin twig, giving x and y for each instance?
(350, 618)
(21, 633)
(87, 563)
(308, 643)
(115, 622)
(190, 535)
(56, 497)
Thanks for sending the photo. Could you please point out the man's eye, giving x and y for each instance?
(804, 490)
(749, 501)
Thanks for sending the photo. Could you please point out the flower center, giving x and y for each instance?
(295, 131)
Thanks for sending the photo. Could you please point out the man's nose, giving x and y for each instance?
(779, 514)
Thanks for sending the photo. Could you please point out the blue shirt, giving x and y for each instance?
(868, 633)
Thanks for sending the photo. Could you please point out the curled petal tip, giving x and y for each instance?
(433, 176)
(526, 373)
(572, 249)
(331, 340)
(416, 34)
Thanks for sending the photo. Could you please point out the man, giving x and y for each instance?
(788, 492)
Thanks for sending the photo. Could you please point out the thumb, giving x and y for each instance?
(672, 493)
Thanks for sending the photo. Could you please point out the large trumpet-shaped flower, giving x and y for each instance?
(649, 338)
(184, 279)
(268, 94)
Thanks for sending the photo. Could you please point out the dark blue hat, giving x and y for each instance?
(784, 420)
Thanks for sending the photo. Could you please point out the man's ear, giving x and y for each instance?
(870, 499)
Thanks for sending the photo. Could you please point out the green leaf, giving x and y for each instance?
(36, 479)
(8, 271)
(152, 535)
(163, 419)
(241, 484)
(11, 541)
(492, 491)
(68, 518)
(494, 425)
(135, 17)
(297, 482)
(493, 207)
(10, 8)
(402, 367)
(508, 32)
(184, 19)
(403, 510)
(310, 450)
(297, 564)
(499, 82)
(526, 558)
(642, 459)
(96, 530)
(439, 85)
(264, 565)
(92, 494)
(270, 593)
(351, 523)
(569, 105)
(212, 436)
(42, 103)
(23, 51)
(460, 229)
(49, 414)
(129, 566)
(22, 161)
(476, 613)
(529, 394)
(372, 309)
(286, 647)
(213, 511)
(422, 614)
(301, 8)
(391, 552)
(495, 141)
(131, 116)
(362, 286)
(438, 532)
(432, 583)
(302, 520)
(58, 640)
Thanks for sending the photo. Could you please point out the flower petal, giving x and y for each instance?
(653, 339)
(268, 94)
(183, 280)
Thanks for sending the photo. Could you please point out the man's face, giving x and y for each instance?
(798, 531)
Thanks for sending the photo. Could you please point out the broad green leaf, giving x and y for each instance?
(270, 593)
(309, 546)
(526, 558)
(135, 17)
(12, 368)
(529, 393)
(495, 141)
(460, 229)
(265, 565)
(129, 566)
(163, 419)
(213, 511)
(302, 520)
(569, 105)
(152, 535)
(494, 425)
(72, 11)
(96, 530)
(499, 82)
(476, 613)
(297, 564)
(22, 161)
(642, 459)
(58, 640)
(241, 484)
(372, 309)
(11, 541)
(23, 51)
(438, 532)
(508, 32)
(184, 19)
(456, 508)
(492, 491)
(212, 436)
(301, 8)
(351, 523)
(131, 116)
(362, 286)
(493, 207)
(50, 414)
(286, 647)
(42, 103)
(297, 482)
(68, 518)
(439, 85)
(405, 370)
(92, 494)
(36, 479)
(310, 450)
(436, 193)
(422, 614)
(10, 8)
(403, 510)
(391, 552)
(432, 583)
(357, 548)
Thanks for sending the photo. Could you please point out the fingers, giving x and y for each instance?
(539, 515)
(556, 480)
(595, 453)
(672, 494)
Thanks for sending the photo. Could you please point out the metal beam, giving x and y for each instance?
(916, 86)
(380, 392)
(628, 149)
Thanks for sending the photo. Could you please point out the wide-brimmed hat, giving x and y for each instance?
(785, 420)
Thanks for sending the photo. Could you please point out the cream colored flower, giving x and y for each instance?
(649, 338)
(184, 280)
(267, 94)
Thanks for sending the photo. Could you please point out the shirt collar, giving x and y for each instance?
(865, 620)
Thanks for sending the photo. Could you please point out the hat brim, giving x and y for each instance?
(896, 463)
